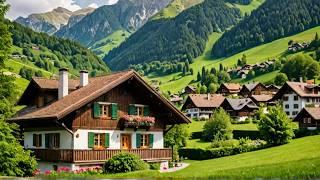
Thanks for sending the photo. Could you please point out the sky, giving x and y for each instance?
(26, 7)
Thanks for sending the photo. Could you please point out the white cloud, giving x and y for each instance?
(93, 5)
(26, 7)
(86, 3)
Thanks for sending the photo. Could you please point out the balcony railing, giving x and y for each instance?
(80, 156)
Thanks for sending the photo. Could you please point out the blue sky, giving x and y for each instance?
(26, 7)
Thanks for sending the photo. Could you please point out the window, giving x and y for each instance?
(288, 113)
(287, 106)
(37, 140)
(144, 141)
(52, 140)
(285, 98)
(309, 120)
(295, 98)
(99, 140)
(304, 120)
(296, 106)
(295, 113)
(105, 110)
(140, 111)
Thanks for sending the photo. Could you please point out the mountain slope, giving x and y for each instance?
(52, 21)
(126, 15)
(273, 20)
(176, 38)
(51, 53)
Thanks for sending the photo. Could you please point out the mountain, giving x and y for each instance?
(179, 38)
(128, 15)
(51, 53)
(52, 21)
(273, 20)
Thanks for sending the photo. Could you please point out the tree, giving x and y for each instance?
(176, 138)
(212, 88)
(224, 77)
(191, 71)
(203, 89)
(220, 67)
(218, 127)
(251, 74)
(198, 76)
(5, 36)
(280, 79)
(275, 126)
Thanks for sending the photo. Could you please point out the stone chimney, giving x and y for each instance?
(84, 78)
(63, 89)
(209, 96)
(301, 79)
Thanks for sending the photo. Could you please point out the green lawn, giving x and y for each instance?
(265, 78)
(249, 8)
(260, 53)
(298, 159)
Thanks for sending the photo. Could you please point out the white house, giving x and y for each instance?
(294, 96)
(84, 122)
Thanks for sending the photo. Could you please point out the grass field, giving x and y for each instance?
(265, 78)
(113, 40)
(298, 159)
(248, 8)
(260, 53)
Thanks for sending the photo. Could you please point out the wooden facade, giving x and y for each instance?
(309, 118)
(258, 89)
(96, 156)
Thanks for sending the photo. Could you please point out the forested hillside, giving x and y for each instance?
(179, 38)
(273, 20)
(51, 53)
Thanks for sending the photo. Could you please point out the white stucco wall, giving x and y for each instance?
(81, 142)
(65, 139)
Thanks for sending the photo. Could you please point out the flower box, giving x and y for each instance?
(138, 121)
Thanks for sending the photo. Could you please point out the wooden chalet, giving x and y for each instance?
(189, 90)
(84, 122)
(253, 89)
(201, 106)
(228, 89)
(309, 118)
(240, 109)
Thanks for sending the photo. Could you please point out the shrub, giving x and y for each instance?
(275, 126)
(225, 143)
(218, 127)
(124, 162)
(238, 134)
(154, 166)
(302, 132)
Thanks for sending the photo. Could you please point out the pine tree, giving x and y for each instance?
(198, 76)
(220, 67)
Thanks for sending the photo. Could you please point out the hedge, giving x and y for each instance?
(204, 154)
(302, 132)
(237, 134)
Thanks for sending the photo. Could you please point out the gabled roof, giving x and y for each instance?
(238, 104)
(251, 86)
(232, 86)
(300, 88)
(202, 100)
(44, 83)
(261, 98)
(314, 112)
(96, 87)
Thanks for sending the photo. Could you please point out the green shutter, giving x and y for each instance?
(114, 111)
(151, 140)
(107, 140)
(34, 140)
(96, 110)
(90, 140)
(40, 140)
(146, 111)
(47, 136)
(138, 140)
(132, 109)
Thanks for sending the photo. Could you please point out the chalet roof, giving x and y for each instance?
(238, 104)
(44, 83)
(232, 86)
(314, 112)
(261, 98)
(300, 88)
(273, 86)
(96, 87)
(202, 100)
(250, 86)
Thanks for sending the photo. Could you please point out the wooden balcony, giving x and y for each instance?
(88, 156)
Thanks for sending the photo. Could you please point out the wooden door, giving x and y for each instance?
(125, 141)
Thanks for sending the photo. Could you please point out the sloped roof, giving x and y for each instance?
(44, 83)
(314, 112)
(232, 86)
(300, 88)
(202, 100)
(238, 104)
(262, 98)
(96, 87)
(250, 86)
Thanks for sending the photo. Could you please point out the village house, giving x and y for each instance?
(297, 95)
(309, 118)
(201, 106)
(273, 89)
(228, 89)
(298, 46)
(189, 90)
(176, 99)
(83, 123)
(264, 99)
(253, 89)
(239, 109)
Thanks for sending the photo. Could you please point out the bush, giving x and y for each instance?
(218, 127)
(226, 143)
(298, 133)
(154, 166)
(238, 134)
(275, 126)
(124, 162)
